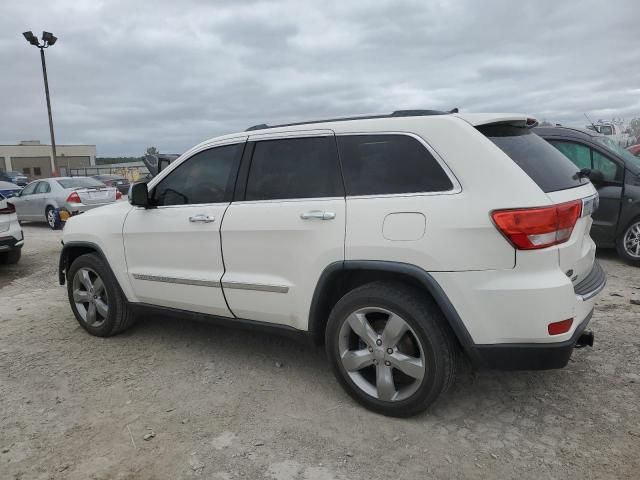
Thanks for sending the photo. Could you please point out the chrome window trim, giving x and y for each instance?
(179, 281)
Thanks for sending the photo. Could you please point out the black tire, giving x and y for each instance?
(119, 316)
(428, 327)
(620, 243)
(11, 257)
(54, 223)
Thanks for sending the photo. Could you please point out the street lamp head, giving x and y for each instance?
(49, 38)
(31, 38)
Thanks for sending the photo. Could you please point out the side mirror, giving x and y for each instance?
(596, 177)
(163, 163)
(139, 195)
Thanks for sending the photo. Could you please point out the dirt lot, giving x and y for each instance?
(229, 404)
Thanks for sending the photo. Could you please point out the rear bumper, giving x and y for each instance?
(529, 356)
(11, 240)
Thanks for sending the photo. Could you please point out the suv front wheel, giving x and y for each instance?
(389, 348)
(95, 297)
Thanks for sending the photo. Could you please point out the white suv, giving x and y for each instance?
(400, 241)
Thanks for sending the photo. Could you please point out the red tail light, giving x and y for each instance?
(118, 195)
(8, 210)
(556, 328)
(74, 198)
(540, 227)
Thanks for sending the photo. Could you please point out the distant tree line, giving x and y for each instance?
(111, 160)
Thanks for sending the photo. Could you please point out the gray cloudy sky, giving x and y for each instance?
(125, 75)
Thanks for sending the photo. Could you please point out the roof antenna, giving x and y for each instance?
(454, 110)
(591, 122)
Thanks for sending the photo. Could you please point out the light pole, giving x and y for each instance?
(48, 39)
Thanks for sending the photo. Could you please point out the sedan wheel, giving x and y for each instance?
(90, 297)
(631, 240)
(51, 218)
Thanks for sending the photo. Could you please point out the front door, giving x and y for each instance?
(285, 229)
(173, 250)
(24, 202)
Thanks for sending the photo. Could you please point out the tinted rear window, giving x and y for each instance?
(546, 166)
(389, 164)
(80, 182)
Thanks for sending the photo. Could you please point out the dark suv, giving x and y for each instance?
(615, 172)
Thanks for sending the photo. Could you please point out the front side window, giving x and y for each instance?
(29, 189)
(389, 164)
(586, 157)
(206, 177)
(294, 168)
(610, 170)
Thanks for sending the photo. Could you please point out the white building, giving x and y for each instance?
(35, 159)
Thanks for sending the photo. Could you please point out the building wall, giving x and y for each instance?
(30, 157)
(32, 167)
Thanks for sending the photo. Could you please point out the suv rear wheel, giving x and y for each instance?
(95, 297)
(389, 348)
(628, 243)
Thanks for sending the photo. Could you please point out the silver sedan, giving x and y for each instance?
(41, 200)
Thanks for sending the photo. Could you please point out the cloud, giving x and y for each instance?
(125, 75)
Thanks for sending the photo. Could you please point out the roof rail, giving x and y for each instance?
(397, 113)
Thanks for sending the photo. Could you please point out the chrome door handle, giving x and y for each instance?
(202, 218)
(317, 215)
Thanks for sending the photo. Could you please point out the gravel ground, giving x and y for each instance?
(174, 399)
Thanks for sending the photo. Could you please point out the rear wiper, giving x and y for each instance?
(583, 173)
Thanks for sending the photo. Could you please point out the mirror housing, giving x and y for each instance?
(139, 195)
(163, 163)
(596, 177)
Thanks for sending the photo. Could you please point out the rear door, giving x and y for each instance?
(173, 251)
(605, 218)
(287, 225)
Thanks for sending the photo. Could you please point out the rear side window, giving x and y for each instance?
(294, 168)
(546, 166)
(389, 164)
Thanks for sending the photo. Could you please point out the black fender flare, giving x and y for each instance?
(423, 277)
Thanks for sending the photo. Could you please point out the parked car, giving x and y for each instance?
(635, 150)
(615, 172)
(8, 189)
(118, 181)
(53, 200)
(14, 177)
(11, 237)
(400, 241)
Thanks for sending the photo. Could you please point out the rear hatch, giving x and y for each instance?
(558, 178)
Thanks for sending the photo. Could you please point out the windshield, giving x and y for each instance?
(81, 182)
(621, 152)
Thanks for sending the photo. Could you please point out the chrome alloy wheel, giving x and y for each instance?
(90, 297)
(381, 354)
(631, 240)
(51, 218)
